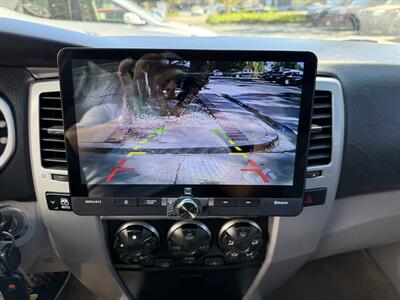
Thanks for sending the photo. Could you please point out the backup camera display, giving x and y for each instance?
(161, 120)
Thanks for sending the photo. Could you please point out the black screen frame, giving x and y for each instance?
(77, 189)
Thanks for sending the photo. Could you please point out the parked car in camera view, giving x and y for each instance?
(381, 19)
(217, 73)
(286, 77)
(292, 77)
(246, 73)
(272, 75)
(346, 16)
(197, 10)
(98, 17)
(316, 12)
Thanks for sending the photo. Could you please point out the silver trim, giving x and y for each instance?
(181, 223)
(292, 241)
(179, 204)
(11, 136)
(78, 241)
(96, 270)
(43, 73)
(234, 222)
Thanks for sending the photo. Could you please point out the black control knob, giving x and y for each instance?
(13, 221)
(188, 238)
(187, 207)
(240, 240)
(135, 241)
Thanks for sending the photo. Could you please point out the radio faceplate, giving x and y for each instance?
(169, 124)
(210, 207)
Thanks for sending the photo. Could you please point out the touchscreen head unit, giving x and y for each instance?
(156, 123)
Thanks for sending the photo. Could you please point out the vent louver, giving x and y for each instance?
(3, 133)
(52, 142)
(320, 149)
(7, 133)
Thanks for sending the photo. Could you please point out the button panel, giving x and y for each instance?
(126, 202)
(187, 244)
(135, 243)
(165, 263)
(149, 201)
(213, 261)
(203, 207)
(236, 202)
(224, 202)
(240, 240)
(60, 202)
(314, 197)
(248, 202)
(189, 260)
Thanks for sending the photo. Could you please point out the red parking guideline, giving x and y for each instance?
(257, 170)
(116, 170)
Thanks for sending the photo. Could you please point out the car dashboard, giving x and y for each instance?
(352, 182)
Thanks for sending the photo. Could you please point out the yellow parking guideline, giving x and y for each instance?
(136, 148)
(238, 148)
(216, 130)
(160, 130)
(143, 141)
(231, 142)
(135, 153)
(245, 155)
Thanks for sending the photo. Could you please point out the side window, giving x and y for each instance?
(84, 10)
(108, 11)
(49, 9)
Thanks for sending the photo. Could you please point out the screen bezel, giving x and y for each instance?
(77, 189)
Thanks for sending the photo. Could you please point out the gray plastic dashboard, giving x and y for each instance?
(367, 71)
(365, 167)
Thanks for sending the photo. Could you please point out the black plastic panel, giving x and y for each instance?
(162, 226)
(16, 177)
(195, 282)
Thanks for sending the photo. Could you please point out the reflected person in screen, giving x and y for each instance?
(143, 88)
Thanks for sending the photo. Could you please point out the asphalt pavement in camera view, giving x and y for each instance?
(248, 137)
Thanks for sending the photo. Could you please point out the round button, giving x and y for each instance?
(227, 242)
(233, 256)
(126, 258)
(135, 241)
(251, 255)
(187, 208)
(188, 238)
(240, 239)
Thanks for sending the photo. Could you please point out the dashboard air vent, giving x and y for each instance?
(7, 133)
(52, 142)
(3, 133)
(320, 149)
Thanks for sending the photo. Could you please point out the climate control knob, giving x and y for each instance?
(188, 238)
(187, 207)
(240, 240)
(135, 241)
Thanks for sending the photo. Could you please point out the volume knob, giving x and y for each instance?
(187, 208)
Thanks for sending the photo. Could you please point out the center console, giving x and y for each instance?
(182, 157)
(181, 244)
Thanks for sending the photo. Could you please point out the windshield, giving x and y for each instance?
(393, 2)
(371, 20)
(359, 2)
(334, 2)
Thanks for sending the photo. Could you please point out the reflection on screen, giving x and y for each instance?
(163, 120)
